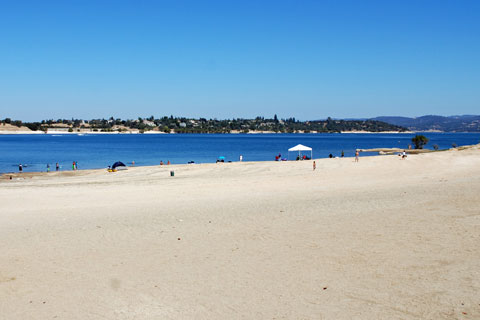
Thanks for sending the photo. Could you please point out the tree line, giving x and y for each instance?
(171, 124)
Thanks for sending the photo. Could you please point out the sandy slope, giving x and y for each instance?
(9, 129)
(380, 239)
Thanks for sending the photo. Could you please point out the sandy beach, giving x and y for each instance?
(383, 238)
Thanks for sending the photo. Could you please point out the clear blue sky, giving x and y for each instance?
(225, 59)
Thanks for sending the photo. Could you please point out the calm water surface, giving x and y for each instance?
(100, 150)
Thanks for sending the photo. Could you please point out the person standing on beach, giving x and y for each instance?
(356, 155)
(48, 167)
(20, 168)
(73, 165)
(57, 167)
(314, 166)
(241, 158)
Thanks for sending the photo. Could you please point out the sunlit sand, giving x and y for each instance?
(383, 238)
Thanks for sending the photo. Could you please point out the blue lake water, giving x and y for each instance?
(100, 150)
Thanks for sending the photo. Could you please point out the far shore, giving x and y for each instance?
(51, 132)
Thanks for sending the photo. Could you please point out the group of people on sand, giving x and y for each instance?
(304, 157)
(161, 162)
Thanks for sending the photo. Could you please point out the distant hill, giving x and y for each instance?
(464, 123)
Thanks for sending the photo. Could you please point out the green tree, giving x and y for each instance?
(419, 141)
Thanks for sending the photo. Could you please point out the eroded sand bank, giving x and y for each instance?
(380, 239)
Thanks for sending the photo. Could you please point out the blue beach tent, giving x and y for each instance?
(118, 164)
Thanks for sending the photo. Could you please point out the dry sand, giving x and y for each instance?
(380, 239)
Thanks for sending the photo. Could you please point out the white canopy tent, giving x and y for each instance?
(300, 148)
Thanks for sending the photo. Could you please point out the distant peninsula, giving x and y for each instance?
(463, 123)
(173, 124)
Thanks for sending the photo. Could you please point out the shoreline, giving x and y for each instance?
(31, 174)
(382, 152)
